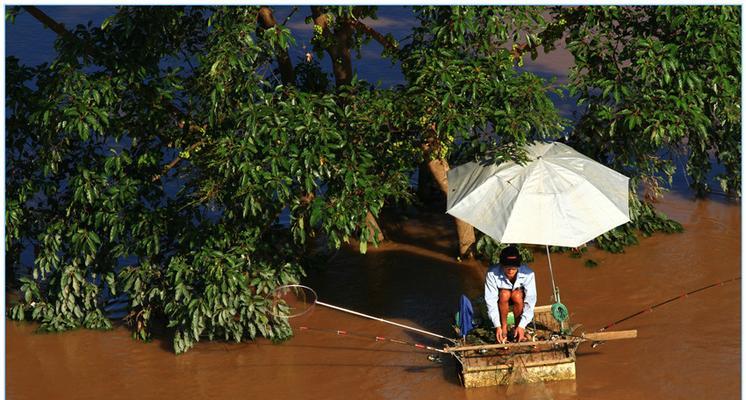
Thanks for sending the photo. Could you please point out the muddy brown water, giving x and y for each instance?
(687, 349)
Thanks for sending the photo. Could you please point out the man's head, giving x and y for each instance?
(510, 260)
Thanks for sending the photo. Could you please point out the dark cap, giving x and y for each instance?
(510, 256)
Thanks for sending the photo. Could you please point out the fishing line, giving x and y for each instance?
(375, 338)
(681, 296)
(290, 301)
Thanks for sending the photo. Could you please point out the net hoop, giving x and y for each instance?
(292, 297)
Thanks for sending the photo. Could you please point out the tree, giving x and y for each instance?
(176, 157)
(464, 95)
(159, 151)
(657, 82)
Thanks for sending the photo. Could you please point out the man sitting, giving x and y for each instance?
(510, 283)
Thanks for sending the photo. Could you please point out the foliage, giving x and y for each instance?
(464, 94)
(337, 18)
(158, 158)
(160, 153)
(657, 81)
(490, 249)
(645, 221)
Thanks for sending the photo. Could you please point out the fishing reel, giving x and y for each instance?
(434, 358)
(559, 310)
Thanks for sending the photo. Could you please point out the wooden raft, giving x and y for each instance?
(548, 357)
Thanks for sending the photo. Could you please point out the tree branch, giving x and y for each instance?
(289, 15)
(177, 160)
(49, 22)
(320, 19)
(60, 30)
(380, 38)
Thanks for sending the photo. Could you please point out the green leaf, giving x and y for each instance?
(315, 214)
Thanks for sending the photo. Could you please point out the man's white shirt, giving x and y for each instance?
(496, 280)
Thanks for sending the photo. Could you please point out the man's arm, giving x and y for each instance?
(491, 293)
(529, 301)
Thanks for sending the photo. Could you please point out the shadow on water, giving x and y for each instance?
(348, 348)
(588, 353)
(450, 368)
(413, 227)
(398, 284)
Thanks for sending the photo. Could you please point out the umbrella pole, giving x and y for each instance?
(555, 291)
(551, 273)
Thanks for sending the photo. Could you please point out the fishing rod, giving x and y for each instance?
(681, 296)
(376, 338)
(653, 307)
(448, 350)
(307, 297)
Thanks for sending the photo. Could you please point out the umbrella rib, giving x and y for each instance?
(573, 186)
(520, 192)
(588, 180)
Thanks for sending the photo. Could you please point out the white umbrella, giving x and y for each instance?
(559, 197)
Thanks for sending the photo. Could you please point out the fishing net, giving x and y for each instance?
(518, 373)
(520, 384)
(290, 301)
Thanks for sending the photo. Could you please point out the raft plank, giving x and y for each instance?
(527, 364)
(533, 372)
(611, 335)
(543, 360)
(537, 343)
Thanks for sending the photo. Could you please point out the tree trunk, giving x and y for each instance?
(424, 183)
(466, 238)
(342, 63)
(287, 74)
(339, 52)
(339, 49)
(373, 227)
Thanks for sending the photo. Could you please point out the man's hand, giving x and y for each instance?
(501, 336)
(520, 334)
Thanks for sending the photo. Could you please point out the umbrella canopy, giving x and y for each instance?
(558, 198)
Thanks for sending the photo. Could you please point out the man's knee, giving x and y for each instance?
(504, 296)
(517, 296)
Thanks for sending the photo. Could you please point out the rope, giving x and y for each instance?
(681, 296)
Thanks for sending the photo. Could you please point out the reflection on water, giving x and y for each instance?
(685, 349)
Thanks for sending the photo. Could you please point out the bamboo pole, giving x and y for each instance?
(384, 321)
